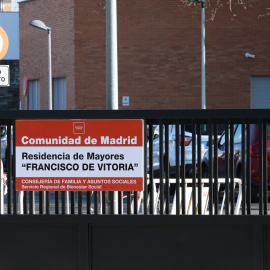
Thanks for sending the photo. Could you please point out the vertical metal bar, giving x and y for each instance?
(194, 201)
(265, 178)
(47, 202)
(88, 202)
(227, 191)
(12, 194)
(31, 203)
(260, 168)
(248, 170)
(103, 194)
(25, 202)
(128, 202)
(151, 181)
(1, 185)
(101, 200)
(167, 170)
(183, 171)
(161, 167)
(232, 168)
(266, 168)
(177, 158)
(56, 202)
(8, 154)
(210, 168)
(135, 199)
(215, 169)
(40, 202)
(199, 168)
(96, 202)
(111, 200)
(145, 186)
(80, 204)
(102, 207)
(120, 202)
(63, 193)
(8, 179)
(72, 202)
(243, 168)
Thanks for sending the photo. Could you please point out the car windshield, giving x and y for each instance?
(268, 132)
(3, 131)
(238, 135)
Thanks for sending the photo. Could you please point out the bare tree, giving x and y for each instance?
(214, 5)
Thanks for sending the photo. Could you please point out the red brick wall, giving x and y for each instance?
(34, 45)
(159, 52)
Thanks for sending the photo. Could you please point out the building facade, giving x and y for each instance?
(10, 95)
(159, 54)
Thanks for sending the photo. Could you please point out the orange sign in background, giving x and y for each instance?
(3, 43)
(79, 155)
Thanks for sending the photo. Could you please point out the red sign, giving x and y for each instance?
(79, 155)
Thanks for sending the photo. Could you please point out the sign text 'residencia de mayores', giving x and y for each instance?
(106, 140)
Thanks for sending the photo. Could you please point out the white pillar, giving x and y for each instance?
(112, 68)
(111, 57)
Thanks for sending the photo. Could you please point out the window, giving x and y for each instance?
(60, 94)
(34, 94)
(260, 92)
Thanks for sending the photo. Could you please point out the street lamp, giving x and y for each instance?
(43, 26)
(111, 76)
(203, 49)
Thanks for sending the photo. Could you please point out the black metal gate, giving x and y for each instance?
(163, 226)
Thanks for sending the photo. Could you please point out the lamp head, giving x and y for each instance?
(39, 24)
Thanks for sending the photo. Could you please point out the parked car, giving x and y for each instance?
(254, 157)
(3, 178)
(172, 148)
(153, 130)
(3, 142)
(156, 153)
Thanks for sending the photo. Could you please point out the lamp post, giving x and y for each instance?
(111, 55)
(41, 25)
(111, 76)
(203, 48)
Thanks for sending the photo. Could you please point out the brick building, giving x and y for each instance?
(159, 54)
